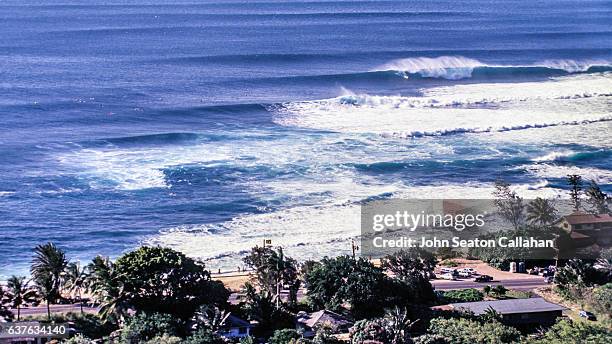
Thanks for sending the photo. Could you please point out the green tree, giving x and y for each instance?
(398, 325)
(487, 289)
(407, 263)
(597, 199)
(363, 286)
(260, 307)
(499, 290)
(284, 336)
(107, 287)
(509, 204)
(4, 305)
(20, 294)
(604, 264)
(47, 268)
(325, 335)
(365, 331)
(575, 183)
(211, 317)
(575, 275)
(75, 279)
(162, 280)
(46, 289)
(541, 212)
(273, 270)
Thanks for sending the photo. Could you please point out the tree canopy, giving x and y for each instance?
(156, 279)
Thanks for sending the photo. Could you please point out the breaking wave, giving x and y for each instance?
(459, 67)
(459, 109)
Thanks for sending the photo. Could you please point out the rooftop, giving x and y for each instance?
(532, 305)
(322, 317)
(584, 218)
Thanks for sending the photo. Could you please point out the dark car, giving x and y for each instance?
(587, 315)
(483, 278)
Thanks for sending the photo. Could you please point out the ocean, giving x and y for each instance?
(210, 126)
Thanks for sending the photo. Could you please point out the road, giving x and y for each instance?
(54, 309)
(517, 284)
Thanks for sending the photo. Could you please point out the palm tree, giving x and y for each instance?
(47, 268)
(541, 212)
(75, 279)
(107, 289)
(487, 289)
(4, 311)
(399, 325)
(20, 294)
(575, 182)
(210, 317)
(46, 288)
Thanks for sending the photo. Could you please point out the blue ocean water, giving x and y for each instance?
(209, 126)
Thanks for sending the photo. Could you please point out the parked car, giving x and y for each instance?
(483, 278)
(587, 315)
(449, 276)
(471, 271)
(464, 274)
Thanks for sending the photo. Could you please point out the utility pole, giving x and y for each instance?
(354, 247)
(279, 267)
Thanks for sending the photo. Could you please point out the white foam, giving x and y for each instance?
(555, 171)
(460, 67)
(309, 232)
(552, 156)
(573, 66)
(475, 108)
(447, 67)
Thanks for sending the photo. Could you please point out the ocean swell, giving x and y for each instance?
(460, 67)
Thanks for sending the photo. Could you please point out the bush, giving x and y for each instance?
(601, 299)
(87, 324)
(204, 336)
(370, 330)
(78, 339)
(165, 339)
(430, 339)
(464, 331)
(284, 336)
(465, 295)
(569, 332)
(144, 327)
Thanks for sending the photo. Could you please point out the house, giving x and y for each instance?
(234, 328)
(308, 323)
(588, 230)
(515, 311)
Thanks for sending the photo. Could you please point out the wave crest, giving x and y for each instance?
(447, 67)
(460, 67)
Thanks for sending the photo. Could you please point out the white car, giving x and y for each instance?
(448, 277)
